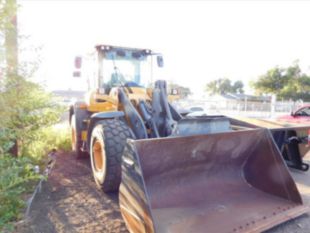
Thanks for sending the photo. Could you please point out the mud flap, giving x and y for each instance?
(224, 182)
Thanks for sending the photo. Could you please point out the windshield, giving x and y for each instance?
(127, 68)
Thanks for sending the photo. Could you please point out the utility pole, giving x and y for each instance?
(11, 44)
(11, 52)
(273, 105)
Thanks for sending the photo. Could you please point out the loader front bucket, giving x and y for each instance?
(225, 182)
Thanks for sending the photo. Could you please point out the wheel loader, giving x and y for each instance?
(174, 173)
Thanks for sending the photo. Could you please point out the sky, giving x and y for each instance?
(200, 40)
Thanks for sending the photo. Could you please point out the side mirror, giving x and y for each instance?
(160, 61)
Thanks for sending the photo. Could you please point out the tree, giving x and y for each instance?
(238, 87)
(224, 86)
(25, 106)
(286, 83)
(26, 109)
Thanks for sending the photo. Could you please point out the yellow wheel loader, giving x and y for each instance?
(174, 173)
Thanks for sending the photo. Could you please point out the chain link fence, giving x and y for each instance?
(239, 107)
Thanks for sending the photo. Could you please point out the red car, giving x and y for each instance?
(301, 116)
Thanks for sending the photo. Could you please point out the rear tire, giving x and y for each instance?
(76, 143)
(107, 143)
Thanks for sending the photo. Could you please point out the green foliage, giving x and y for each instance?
(60, 138)
(238, 87)
(26, 118)
(15, 176)
(26, 109)
(27, 115)
(56, 137)
(6, 140)
(286, 83)
(224, 86)
(7, 11)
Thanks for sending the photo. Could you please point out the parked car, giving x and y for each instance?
(301, 116)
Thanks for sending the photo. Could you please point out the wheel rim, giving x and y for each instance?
(73, 138)
(98, 156)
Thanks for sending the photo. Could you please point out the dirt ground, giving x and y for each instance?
(69, 202)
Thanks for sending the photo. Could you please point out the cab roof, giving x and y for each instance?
(106, 48)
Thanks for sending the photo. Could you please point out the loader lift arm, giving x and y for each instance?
(163, 120)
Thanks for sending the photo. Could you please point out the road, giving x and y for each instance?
(69, 202)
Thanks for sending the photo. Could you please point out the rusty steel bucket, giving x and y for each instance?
(224, 182)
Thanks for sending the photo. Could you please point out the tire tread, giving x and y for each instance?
(114, 133)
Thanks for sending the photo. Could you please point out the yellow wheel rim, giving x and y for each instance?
(98, 156)
(73, 138)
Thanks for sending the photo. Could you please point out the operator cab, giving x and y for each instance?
(110, 67)
(128, 67)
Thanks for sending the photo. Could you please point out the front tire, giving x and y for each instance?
(107, 143)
